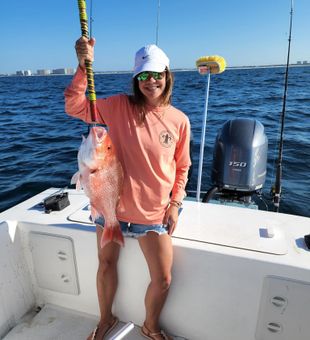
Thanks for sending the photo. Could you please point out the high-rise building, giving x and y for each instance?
(43, 72)
(63, 71)
(24, 73)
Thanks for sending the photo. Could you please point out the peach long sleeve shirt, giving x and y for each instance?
(155, 156)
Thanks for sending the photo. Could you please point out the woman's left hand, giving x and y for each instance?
(171, 218)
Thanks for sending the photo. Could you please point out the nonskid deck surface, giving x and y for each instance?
(56, 323)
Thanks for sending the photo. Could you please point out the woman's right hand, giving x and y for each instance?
(85, 50)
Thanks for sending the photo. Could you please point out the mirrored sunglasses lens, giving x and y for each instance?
(156, 75)
(143, 76)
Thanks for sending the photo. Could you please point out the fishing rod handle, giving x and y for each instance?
(88, 63)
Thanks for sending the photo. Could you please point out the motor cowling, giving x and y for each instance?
(240, 156)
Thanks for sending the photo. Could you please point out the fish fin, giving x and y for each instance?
(112, 234)
(94, 213)
(75, 178)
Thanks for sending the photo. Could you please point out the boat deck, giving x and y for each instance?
(57, 323)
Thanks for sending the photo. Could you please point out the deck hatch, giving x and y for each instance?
(54, 262)
(284, 310)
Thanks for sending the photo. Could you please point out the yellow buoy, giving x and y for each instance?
(212, 64)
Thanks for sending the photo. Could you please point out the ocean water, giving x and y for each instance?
(39, 142)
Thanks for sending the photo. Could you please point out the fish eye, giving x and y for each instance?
(109, 147)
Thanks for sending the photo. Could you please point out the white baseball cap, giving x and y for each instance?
(150, 58)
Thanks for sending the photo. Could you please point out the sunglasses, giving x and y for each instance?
(143, 76)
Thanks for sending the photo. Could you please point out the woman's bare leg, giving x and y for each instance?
(158, 253)
(106, 282)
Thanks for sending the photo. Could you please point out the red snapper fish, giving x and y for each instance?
(101, 176)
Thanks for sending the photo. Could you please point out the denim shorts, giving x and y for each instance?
(136, 230)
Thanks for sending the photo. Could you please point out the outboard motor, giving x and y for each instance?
(239, 160)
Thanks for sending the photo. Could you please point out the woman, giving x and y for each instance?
(151, 138)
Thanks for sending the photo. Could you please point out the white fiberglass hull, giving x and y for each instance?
(238, 273)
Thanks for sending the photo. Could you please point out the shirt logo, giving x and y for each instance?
(166, 139)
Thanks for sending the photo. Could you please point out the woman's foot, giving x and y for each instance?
(103, 329)
(160, 335)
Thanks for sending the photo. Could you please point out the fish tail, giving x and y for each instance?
(112, 233)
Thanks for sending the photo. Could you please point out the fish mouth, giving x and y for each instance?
(98, 132)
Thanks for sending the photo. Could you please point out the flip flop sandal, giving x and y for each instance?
(94, 333)
(145, 332)
(112, 326)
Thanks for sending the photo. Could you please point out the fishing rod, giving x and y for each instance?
(157, 23)
(276, 190)
(88, 63)
(91, 19)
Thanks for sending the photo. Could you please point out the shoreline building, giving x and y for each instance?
(304, 62)
(63, 71)
(24, 73)
(43, 72)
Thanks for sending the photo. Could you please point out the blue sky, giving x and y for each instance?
(41, 34)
